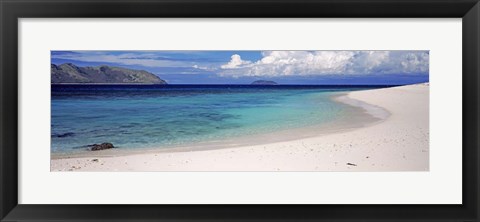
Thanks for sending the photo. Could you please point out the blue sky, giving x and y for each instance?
(284, 67)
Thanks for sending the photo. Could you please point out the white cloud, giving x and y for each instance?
(287, 63)
(205, 68)
(414, 62)
(235, 62)
(370, 60)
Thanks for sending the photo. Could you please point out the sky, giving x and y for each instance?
(283, 67)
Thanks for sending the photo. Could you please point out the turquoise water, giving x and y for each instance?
(135, 117)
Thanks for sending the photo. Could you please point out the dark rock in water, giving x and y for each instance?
(264, 82)
(103, 146)
(61, 135)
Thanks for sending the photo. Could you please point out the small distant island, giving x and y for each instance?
(264, 82)
(70, 73)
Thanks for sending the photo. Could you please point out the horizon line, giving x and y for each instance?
(239, 84)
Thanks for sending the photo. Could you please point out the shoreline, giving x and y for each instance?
(360, 114)
(312, 150)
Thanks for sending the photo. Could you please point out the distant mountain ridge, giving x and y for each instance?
(264, 82)
(70, 73)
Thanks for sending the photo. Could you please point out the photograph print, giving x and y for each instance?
(312, 110)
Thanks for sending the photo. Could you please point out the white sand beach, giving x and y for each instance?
(400, 142)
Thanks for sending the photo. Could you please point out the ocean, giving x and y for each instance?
(161, 116)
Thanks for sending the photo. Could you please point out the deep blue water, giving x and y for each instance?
(147, 116)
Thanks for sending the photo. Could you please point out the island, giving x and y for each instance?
(69, 73)
(264, 82)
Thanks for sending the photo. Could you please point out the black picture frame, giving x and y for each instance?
(11, 11)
